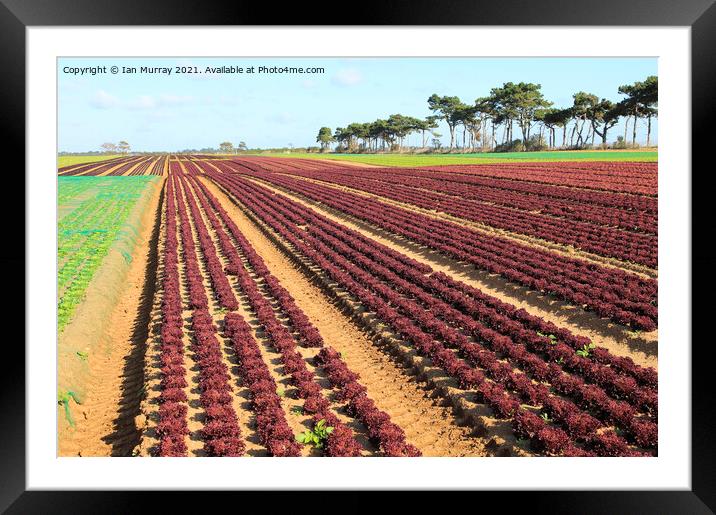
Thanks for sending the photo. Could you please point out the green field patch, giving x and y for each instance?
(81, 160)
(92, 219)
(415, 160)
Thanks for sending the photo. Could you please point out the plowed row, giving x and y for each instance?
(142, 165)
(214, 287)
(236, 367)
(624, 297)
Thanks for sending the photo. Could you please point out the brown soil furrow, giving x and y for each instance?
(523, 239)
(106, 420)
(196, 412)
(149, 404)
(99, 164)
(562, 217)
(292, 404)
(128, 424)
(152, 162)
(241, 395)
(620, 340)
(297, 422)
(384, 364)
(106, 172)
(150, 441)
(128, 172)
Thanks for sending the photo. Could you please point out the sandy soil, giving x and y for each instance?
(102, 421)
(297, 420)
(99, 164)
(641, 347)
(387, 367)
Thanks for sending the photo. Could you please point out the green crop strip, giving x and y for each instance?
(87, 233)
(80, 160)
(414, 160)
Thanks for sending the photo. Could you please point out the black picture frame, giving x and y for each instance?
(700, 15)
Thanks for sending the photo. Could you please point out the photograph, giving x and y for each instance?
(377, 256)
(258, 248)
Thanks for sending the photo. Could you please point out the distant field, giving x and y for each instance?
(77, 160)
(446, 159)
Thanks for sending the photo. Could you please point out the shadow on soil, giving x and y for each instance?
(125, 435)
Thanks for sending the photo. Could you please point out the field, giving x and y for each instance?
(300, 307)
(114, 166)
(418, 160)
(92, 215)
(99, 239)
(63, 161)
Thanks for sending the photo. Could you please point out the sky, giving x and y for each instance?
(172, 112)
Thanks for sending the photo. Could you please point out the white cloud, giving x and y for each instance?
(103, 100)
(159, 116)
(228, 100)
(142, 102)
(77, 84)
(280, 118)
(175, 100)
(309, 83)
(347, 77)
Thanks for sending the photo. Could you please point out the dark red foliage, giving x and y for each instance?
(551, 440)
(281, 339)
(173, 395)
(609, 443)
(341, 442)
(473, 337)
(533, 268)
(172, 426)
(526, 424)
(172, 445)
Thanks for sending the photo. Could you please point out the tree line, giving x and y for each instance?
(116, 148)
(226, 147)
(513, 117)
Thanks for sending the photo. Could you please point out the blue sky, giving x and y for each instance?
(155, 112)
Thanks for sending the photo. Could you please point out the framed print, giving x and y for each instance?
(458, 241)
